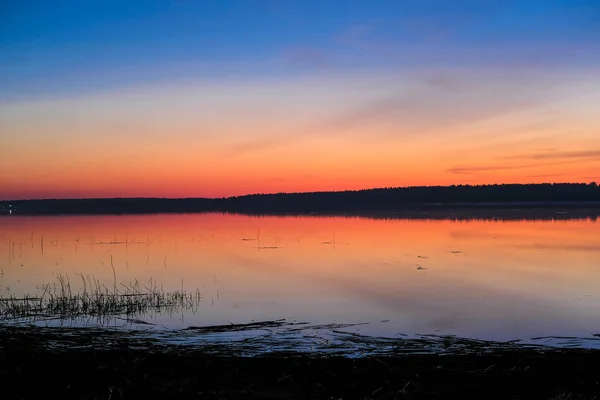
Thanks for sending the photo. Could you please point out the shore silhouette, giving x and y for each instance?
(564, 195)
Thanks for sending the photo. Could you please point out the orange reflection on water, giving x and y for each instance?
(472, 278)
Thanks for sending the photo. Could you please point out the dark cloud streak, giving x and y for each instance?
(558, 155)
(471, 170)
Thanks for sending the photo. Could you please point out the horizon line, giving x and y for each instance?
(295, 193)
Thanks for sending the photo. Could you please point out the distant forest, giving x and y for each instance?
(368, 200)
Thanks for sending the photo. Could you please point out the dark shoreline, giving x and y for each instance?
(30, 368)
(407, 199)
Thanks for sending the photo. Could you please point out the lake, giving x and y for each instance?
(487, 279)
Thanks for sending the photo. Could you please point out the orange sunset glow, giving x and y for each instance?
(345, 111)
(163, 143)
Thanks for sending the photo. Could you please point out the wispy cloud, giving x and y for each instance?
(441, 100)
(471, 170)
(476, 169)
(558, 155)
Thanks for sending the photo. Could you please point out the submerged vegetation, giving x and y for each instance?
(59, 301)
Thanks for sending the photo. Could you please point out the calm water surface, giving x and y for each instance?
(479, 279)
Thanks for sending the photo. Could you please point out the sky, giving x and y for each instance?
(184, 98)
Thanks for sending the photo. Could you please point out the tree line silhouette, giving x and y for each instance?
(537, 195)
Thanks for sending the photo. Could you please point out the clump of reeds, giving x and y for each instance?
(59, 301)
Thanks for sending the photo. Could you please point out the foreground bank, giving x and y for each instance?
(31, 366)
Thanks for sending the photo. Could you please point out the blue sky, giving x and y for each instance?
(58, 47)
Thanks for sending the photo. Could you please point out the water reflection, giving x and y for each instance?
(497, 280)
